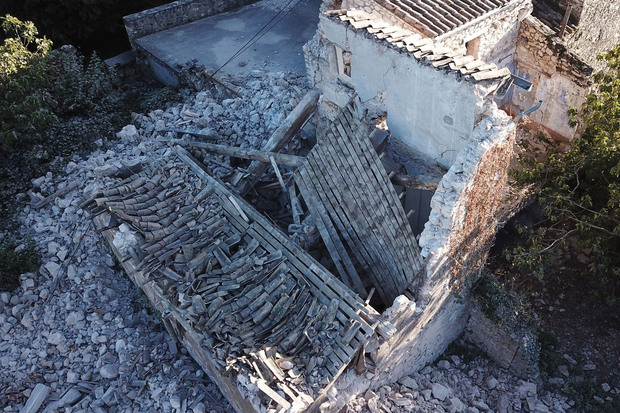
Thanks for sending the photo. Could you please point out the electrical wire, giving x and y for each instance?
(259, 34)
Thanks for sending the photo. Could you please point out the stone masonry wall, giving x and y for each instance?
(176, 14)
(465, 212)
(497, 34)
(466, 208)
(598, 31)
(466, 204)
(559, 77)
(391, 81)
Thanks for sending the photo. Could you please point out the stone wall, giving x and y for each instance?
(496, 34)
(467, 206)
(176, 14)
(559, 77)
(516, 351)
(466, 209)
(431, 110)
(598, 31)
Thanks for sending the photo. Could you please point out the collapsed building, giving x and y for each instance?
(405, 186)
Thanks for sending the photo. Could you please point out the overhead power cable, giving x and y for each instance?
(263, 31)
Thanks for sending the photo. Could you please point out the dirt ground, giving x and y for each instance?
(579, 333)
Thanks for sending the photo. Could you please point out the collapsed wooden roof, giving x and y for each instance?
(356, 209)
(268, 323)
(245, 300)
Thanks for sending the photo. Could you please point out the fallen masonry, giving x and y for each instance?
(240, 296)
(271, 326)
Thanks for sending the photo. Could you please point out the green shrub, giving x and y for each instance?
(15, 259)
(37, 88)
(580, 190)
(26, 106)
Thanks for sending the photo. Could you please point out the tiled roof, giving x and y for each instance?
(422, 48)
(436, 17)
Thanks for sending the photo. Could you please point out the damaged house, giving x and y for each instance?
(407, 220)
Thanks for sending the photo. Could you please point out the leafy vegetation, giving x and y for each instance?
(16, 259)
(90, 25)
(55, 104)
(37, 87)
(580, 191)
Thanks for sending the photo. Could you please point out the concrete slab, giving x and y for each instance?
(214, 40)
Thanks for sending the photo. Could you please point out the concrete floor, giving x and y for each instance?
(213, 40)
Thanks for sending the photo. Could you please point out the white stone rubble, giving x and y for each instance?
(90, 335)
(454, 385)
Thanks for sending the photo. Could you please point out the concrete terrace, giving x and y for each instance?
(212, 41)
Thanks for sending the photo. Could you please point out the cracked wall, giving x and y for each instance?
(430, 110)
(559, 78)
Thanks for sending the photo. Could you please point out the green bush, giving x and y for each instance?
(37, 87)
(15, 259)
(26, 106)
(90, 25)
(580, 190)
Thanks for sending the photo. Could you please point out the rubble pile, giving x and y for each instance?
(455, 385)
(263, 317)
(79, 326)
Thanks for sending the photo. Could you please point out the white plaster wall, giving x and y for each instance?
(432, 111)
(558, 94)
(498, 34)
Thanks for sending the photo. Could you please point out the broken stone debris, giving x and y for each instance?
(101, 306)
(460, 388)
(105, 328)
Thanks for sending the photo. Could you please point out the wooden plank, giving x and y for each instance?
(341, 209)
(36, 399)
(347, 162)
(329, 234)
(262, 385)
(387, 188)
(194, 133)
(378, 254)
(280, 138)
(336, 204)
(364, 156)
(247, 153)
(60, 193)
(425, 182)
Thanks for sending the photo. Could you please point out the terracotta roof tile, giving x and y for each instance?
(423, 49)
(436, 17)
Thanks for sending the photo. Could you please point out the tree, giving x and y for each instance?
(26, 105)
(89, 25)
(580, 189)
